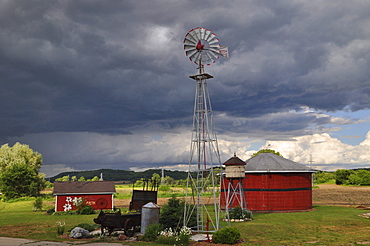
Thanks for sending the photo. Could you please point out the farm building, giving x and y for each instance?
(98, 194)
(273, 184)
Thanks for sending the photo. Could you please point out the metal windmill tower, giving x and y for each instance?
(201, 46)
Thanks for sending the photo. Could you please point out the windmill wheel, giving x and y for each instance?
(202, 47)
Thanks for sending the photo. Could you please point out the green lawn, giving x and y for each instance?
(18, 220)
(326, 225)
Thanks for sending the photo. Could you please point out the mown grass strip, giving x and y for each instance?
(325, 225)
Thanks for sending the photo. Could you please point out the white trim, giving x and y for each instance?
(276, 171)
(283, 171)
(92, 193)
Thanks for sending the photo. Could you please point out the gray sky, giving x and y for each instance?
(104, 84)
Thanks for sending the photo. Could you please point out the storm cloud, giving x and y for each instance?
(105, 83)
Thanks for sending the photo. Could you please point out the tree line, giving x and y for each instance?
(344, 177)
(117, 175)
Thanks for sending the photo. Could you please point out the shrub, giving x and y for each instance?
(50, 211)
(172, 214)
(239, 213)
(87, 210)
(226, 235)
(38, 203)
(152, 232)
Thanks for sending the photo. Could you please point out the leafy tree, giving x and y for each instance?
(96, 178)
(266, 151)
(169, 180)
(341, 176)
(353, 179)
(359, 177)
(82, 178)
(365, 176)
(63, 179)
(19, 166)
(323, 177)
(151, 183)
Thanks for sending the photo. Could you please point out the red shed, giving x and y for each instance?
(273, 183)
(98, 194)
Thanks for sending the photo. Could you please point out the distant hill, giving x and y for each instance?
(121, 175)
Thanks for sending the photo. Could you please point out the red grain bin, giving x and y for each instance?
(274, 184)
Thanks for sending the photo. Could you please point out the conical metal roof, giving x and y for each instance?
(268, 162)
(233, 161)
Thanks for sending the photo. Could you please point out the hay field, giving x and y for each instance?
(338, 195)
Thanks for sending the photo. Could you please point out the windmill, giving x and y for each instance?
(202, 47)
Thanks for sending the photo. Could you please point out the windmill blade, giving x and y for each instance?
(215, 56)
(187, 47)
(202, 32)
(193, 36)
(189, 41)
(191, 52)
(214, 41)
(196, 33)
(214, 50)
(204, 58)
(215, 53)
(189, 36)
(195, 56)
(198, 57)
(210, 58)
(206, 35)
(211, 37)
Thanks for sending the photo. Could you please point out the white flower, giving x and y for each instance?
(69, 199)
(167, 232)
(185, 231)
(59, 223)
(77, 201)
(67, 207)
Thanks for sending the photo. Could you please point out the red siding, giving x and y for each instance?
(275, 191)
(66, 202)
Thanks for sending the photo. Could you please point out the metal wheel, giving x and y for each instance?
(201, 46)
(129, 227)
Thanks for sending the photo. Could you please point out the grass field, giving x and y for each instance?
(325, 225)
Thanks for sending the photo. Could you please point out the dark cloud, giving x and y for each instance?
(117, 67)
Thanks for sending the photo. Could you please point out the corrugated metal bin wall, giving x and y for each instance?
(149, 215)
(268, 192)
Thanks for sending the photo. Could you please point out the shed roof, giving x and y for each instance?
(268, 162)
(84, 187)
(234, 161)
